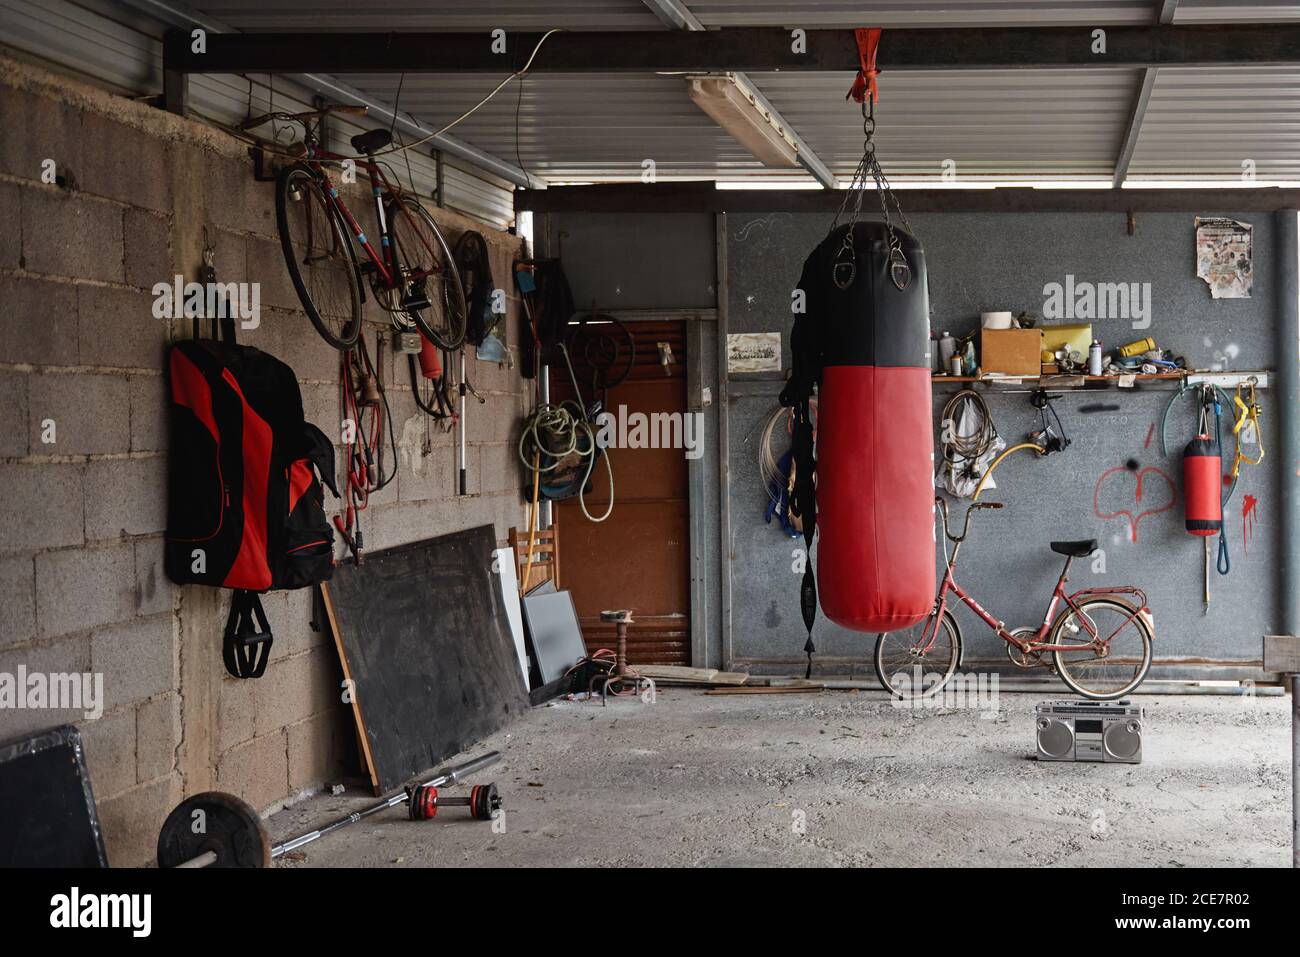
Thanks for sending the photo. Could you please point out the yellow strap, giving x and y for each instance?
(1247, 412)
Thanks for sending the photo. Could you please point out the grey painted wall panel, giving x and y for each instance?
(654, 261)
(980, 262)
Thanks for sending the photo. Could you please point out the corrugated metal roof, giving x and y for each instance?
(1063, 123)
(432, 15)
(126, 56)
(1041, 123)
(1204, 124)
(920, 13)
(577, 127)
(1236, 11)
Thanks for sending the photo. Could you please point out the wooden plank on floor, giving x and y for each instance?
(770, 689)
(679, 674)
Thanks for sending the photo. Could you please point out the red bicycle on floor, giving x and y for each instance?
(412, 274)
(1100, 644)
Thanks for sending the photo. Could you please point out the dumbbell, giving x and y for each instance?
(424, 800)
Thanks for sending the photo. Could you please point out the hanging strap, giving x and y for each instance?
(223, 323)
(246, 647)
(865, 82)
(804, 504)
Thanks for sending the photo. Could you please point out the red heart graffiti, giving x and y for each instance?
(1133, 521)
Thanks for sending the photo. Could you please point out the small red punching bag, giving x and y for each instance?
(864, 341)
(1201, 486)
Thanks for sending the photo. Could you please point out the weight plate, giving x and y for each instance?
(217, 822)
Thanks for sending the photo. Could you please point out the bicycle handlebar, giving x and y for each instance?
(943, 513)
(353, 109)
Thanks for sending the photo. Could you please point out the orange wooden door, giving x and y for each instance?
(638, 558)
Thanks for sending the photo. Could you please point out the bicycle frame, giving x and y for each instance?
(1038, 643)
(387, 267)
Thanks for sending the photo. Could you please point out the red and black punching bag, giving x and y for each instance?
(1202, 467)
(864, 339)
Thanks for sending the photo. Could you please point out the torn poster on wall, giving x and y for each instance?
(754, 352)
(1224, 258)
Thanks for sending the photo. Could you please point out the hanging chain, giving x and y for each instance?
(844, 268)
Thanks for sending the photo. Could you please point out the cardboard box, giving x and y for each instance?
(1010, 351)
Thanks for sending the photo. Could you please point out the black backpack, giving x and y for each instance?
(245, 506)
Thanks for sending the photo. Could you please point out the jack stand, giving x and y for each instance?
(620, 674)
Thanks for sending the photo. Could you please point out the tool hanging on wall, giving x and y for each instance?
(363, 400)
(1245, 428)
(863, 342)
(604, 348)
(1045, 437)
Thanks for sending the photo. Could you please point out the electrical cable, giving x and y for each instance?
(972, 446)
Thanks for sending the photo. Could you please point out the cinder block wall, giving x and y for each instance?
(82, 519)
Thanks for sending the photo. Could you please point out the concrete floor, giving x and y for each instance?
(698, 780)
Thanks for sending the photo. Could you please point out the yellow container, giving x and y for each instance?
(1075, 337)
(1137, 348)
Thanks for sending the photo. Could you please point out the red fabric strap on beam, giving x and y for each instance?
(868, 41)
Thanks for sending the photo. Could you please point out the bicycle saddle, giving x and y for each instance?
(1080, 549)
(371, 140)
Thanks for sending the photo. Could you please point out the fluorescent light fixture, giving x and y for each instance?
(738, 112)
(1234, 183)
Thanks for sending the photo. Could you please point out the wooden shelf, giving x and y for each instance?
(1082, 383)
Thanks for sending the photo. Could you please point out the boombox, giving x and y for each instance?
(1109, 731)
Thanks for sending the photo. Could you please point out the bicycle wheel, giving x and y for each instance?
(426, 259)
(319, 254)
(907, 672)
(1110, 672)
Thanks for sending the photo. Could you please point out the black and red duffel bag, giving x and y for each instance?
(245, 506)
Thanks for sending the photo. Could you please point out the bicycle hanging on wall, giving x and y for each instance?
(412, 273)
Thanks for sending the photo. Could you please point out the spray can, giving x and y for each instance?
(1094, 358)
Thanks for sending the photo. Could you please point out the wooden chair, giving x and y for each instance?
(546, 556)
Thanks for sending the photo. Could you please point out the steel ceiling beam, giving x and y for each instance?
(183, 19)
(703, 197)
(1168, 9)
(1136, 115)
(737, 49)
(677, 16)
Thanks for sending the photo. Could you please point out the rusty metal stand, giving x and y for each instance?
(620, 674)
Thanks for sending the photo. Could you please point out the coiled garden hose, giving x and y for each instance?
(553, 433)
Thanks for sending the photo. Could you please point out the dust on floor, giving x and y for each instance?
(842, 779)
